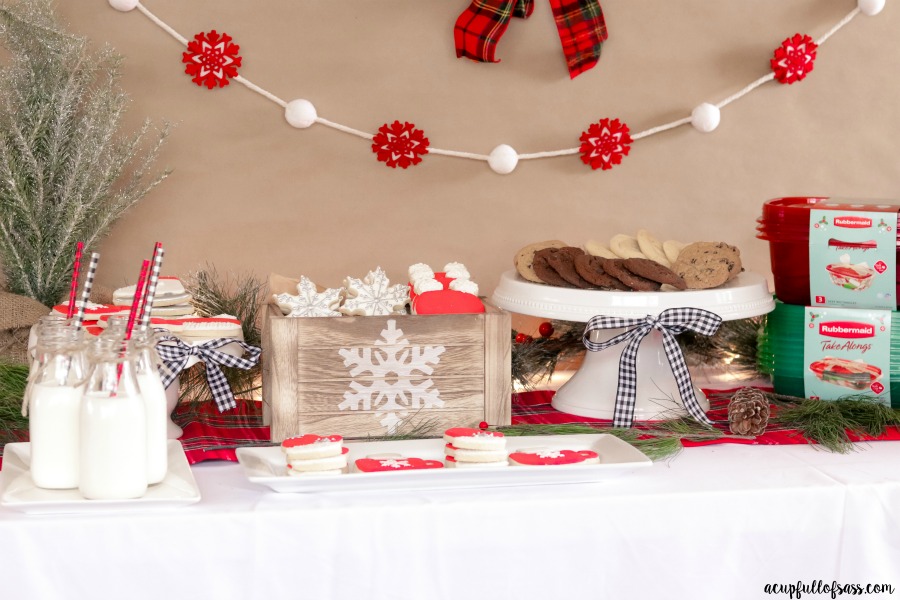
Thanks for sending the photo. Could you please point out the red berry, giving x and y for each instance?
(483, 425)
(528, 339)
(546, 329)
(521, 338)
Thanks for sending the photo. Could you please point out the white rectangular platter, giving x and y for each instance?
(18, 492)
(267, 466)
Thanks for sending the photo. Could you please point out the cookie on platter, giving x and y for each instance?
(547, 457)
(545, 271)
(625, 246)
(374, 465)
(616, 268)
(452, 463)
(563, 262)
(525, 258)
(652, 248)
(468, 455)
(591, 268)
(673, 248)
(312, 446)
(595, 248)
(705, 265)
(654, 271)
(475, 439)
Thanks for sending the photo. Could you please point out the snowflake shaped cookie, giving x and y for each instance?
(374, 295)
(309, 302)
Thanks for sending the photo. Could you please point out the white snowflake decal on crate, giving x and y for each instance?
(398, 369)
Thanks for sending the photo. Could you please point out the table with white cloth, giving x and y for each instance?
(717, 522)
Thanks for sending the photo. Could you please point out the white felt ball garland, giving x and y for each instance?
(503, 159)
(870, 8)
(123, 5)
(300, 113)
(705, 118)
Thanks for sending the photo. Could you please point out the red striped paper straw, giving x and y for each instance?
(86, 290)
(150, 293)
(136, 301)
(79, 248)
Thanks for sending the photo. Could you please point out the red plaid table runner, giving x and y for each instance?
(581, 26)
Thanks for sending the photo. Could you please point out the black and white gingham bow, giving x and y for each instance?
(175, 355)
(670, 323)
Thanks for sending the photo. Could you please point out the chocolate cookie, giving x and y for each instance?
(616, 268)
(705, 265)
(563, 261)
(591, 268)
(544, 271)
(525, 258)
(654, 271)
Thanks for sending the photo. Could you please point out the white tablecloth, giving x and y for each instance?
(715, 522)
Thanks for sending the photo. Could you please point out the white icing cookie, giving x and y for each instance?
(309, 302)
(374, 295)
(169, 291)
(373, 465)
(319, 464)
(467, 455)
(474, 439)
(312, 446)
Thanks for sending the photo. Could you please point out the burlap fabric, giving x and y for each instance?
(17, 315)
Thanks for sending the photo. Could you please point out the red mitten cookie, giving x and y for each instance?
(372, 465)
(312, 446)
(553, 457)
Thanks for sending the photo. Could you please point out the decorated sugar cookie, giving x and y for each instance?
(309, 302)
(371, 465)
(93, 311)
(169, 291)
(474, 439)
(312, 446)
(446, 292)
(325, 463)
(467, 455)
(553, 457)
(374, 295)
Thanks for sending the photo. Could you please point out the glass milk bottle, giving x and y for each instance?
(54, 396)
(154, 394)
(113, 449)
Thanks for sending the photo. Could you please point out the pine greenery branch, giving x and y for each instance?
(830, 423)
(66, 173)
(535, 361)
(239, 295)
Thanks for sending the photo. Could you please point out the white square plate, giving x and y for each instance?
(18, 492)
(267, 466)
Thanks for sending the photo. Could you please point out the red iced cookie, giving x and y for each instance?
(371, 465)
(554, 457)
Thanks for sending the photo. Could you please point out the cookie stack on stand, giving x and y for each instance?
(638, 263)
(832, 333)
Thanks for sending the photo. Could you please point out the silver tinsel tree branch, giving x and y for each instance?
(66, 174)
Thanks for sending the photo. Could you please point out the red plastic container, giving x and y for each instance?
(785, 225)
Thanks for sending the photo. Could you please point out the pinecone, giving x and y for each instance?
(748, 412)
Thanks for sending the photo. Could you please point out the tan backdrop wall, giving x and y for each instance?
(249, 192)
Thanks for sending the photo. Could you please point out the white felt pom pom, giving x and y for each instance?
(870, 8)
(300, 113)
(503, 159)
(705, 117)
(123, 5)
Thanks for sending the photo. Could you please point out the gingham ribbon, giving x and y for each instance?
(581, 26)
(670, 323)
(175, 355)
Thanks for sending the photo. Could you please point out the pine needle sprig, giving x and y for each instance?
(66, 174)
(831, 423)
(535, 361)
(13, 379)
(239, 295)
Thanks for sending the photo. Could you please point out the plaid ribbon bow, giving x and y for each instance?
(582, 29)
(670, 323)
(175, 355)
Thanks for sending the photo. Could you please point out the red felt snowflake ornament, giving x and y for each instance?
(400, 145)
(794, 59)
(211, 59)
(605, 143)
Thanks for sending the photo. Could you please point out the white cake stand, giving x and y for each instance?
(591, 392)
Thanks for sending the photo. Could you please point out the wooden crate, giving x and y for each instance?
(367, 376)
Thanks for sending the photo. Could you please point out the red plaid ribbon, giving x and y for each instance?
(582, 29)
